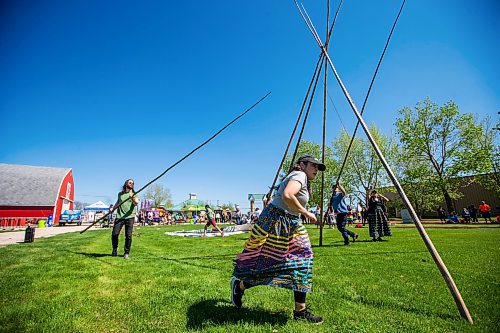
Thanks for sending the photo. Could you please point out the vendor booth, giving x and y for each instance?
(93, 212)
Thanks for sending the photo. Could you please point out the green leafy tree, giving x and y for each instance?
(363, 170)
(418, 181)
(446, 141)
(160, 196)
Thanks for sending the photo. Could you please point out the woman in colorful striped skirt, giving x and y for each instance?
(377, 221)
(278, 252)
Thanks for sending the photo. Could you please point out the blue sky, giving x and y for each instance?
(123, 89)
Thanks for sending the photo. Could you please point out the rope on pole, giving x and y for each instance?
(464, 312)
(182, 159)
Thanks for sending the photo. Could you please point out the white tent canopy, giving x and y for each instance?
(97, 206)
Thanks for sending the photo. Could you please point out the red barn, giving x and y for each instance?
(32, 192)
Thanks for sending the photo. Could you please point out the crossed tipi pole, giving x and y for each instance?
(430, 246)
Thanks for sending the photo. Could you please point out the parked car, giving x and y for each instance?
(71, 216)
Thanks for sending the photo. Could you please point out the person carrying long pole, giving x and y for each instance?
(125, 216)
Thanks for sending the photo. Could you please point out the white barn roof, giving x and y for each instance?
(25, 185)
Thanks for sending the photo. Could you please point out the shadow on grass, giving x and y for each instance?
(384, 253)
(384, 304)
(341, 243)
(145, 258)
(346, 254)
(190, 261)
(215, 312)
(210, 257)
(93, 255)
(193, 261)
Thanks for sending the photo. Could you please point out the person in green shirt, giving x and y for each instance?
(125, 216)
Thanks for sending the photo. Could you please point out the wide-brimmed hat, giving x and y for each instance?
(312, 159)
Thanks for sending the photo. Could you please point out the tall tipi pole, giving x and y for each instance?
(325, 92)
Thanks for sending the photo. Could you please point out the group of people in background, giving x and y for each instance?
(468, 214)
(166, 217)
(341, 215)
(375, 214)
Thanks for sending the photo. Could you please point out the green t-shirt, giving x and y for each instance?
(128, 209)
(210, 214)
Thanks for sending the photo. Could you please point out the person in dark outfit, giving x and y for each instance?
(125, 216)
(341, 209)
(364, 213)
(377, 220)
(473, 214)
(441, 214)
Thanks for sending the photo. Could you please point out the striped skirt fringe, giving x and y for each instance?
(277, 253)
(378, 224)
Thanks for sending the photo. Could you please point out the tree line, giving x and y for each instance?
(433, 148)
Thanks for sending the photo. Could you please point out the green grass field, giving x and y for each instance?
(70, 283)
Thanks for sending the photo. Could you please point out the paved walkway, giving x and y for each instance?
(14, 237)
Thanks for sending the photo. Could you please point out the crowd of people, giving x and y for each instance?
(166, 217)
(469, 214)
(148, 217)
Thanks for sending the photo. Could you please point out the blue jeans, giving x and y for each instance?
(341, 222)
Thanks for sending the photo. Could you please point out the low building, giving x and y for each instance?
(28, 193)
(472, 194)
